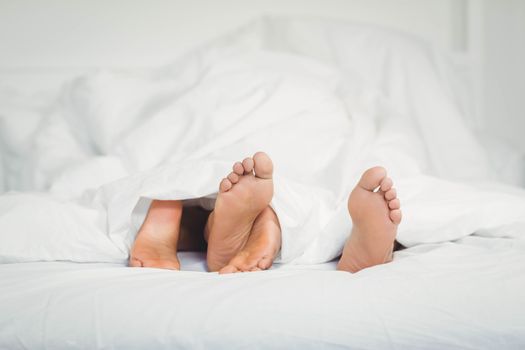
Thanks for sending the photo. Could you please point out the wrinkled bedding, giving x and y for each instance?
(326, 100)
(461, 295)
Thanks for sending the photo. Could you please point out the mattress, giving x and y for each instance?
(458, 295)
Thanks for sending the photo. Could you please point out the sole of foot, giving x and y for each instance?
(375, 211)
(156, 242)
(243, 195)
(261, 248)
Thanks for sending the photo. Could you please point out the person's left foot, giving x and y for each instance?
(243, 195)
(261, 248)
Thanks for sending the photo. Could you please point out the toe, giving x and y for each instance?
(247, 164)
(244, 262)
(228, 269)
(234, 178)
(171, 265)
(135, 262)
(372, 178)
(394, 204)
(162, 264)
(391, 194)
(247, 265)
(395, 216)
(265, 263)
(238, 168)
(225, 185)
(386, 184)
(263, 165)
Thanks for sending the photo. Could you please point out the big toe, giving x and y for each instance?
(372, 178)
(263, 165)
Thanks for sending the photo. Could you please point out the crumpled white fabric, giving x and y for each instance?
(324, 100)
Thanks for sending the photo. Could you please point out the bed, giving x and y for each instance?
(76, 196)
(444, 296)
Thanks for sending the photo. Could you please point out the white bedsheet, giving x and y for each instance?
(461, 295)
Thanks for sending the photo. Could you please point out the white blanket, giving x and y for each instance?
(325, 100)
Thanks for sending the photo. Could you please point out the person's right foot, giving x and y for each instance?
(243, 195)
(375, 211)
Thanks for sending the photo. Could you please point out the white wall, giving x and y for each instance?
(57, 33)
(504, 72)
(80, 33)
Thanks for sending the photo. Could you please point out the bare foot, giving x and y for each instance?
(262, 246)
(374, 208)
(243, 195)
(156, 242)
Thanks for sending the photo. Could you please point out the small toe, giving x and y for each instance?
(233, 177)
(395, 216)
(225, 185)
(248, 164)
(386, 184)
(391, 194)
(394, 204)
(238, 168)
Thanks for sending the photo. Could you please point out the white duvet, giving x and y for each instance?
(326, 100)
(325, 109)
